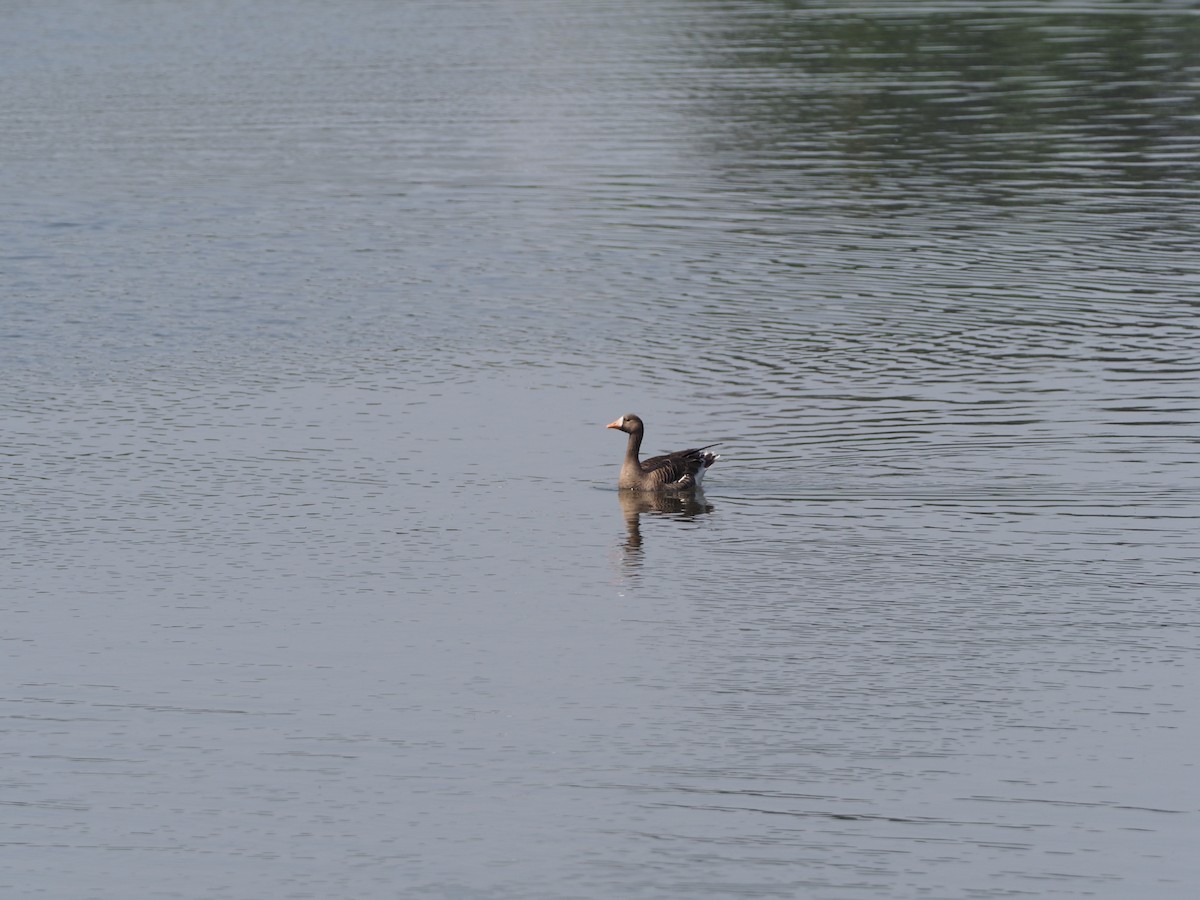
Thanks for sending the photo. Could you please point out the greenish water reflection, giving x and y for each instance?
(984, 97)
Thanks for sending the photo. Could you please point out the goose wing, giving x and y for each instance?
(678, 466)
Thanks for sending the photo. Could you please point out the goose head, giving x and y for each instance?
(628, 423)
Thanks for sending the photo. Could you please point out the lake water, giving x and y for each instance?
(315, 580)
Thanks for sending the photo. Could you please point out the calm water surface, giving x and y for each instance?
(315, 580)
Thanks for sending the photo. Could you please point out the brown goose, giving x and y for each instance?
(679, 471)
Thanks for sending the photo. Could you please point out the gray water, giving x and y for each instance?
(315, 580)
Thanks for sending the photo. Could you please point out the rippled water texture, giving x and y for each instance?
(316, 583)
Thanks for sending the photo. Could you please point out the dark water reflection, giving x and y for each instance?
(977, 94)
(313, 315)
(636, 505)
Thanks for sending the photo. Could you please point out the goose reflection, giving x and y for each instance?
(635, 504)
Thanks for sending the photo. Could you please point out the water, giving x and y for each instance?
(316, 584)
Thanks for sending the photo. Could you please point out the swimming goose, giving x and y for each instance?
(679, 471)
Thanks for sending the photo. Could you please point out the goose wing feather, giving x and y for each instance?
(672, 467)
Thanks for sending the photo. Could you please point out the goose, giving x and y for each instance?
(679, 471)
